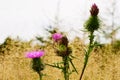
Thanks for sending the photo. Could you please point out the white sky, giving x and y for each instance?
(28, 18)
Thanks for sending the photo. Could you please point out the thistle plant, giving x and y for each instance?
(91, 25)
(62, 50)
(37, 64)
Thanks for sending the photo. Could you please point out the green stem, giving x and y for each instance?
(40, 75)
(90, 48)
(84, 68)
(91, 38)
(66, 67)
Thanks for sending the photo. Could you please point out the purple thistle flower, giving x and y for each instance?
(34, 54)
(57, 36)
(94, 10)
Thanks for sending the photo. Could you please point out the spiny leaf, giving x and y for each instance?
(56, 66)
(73, 65)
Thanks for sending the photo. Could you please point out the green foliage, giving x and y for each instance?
(62, 48)
(92, 24)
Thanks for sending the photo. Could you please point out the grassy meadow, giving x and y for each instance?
(104, 62)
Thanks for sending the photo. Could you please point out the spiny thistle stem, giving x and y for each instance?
(90, 48)
(83, 69)
(66, 67)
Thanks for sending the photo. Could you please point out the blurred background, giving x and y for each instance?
(29, 18)
(22, 20)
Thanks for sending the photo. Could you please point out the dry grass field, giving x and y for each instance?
(104, 62)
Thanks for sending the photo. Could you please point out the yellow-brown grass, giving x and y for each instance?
(104, 63)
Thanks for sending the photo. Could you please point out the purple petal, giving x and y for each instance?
(57, 36)
(34, 54)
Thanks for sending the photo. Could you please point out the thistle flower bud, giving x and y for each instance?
(93, 22)
(37, 64)
(94, 10)
(62, 48)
